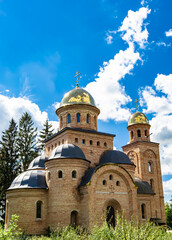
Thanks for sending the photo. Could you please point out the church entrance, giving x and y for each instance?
(110, 216)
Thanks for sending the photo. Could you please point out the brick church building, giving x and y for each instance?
(81, 180)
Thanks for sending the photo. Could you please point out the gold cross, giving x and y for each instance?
(136, 101)
(77, 76)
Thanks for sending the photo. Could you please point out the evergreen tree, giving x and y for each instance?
(9, 163)
(45, 133)
(27, 140)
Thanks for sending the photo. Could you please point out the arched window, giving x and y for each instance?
(98, 143)
(61, 120)
(132, 135)
(78, 117)
(105, 144)
(150, 167)
(88, 118)
(146, 132)
(117, 183)
(76, 140)
(91, 142)
(104, 182)
(138, 133)
(111, 177)
(68, 118)
(38, 209)
(74, 218)
(60, 174)
(74, 174)
(143, 210)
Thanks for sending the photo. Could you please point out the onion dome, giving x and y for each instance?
(138, 118)
(77, 96)
(114, 156)
(29, 179)
(67, 151)
(38, 162)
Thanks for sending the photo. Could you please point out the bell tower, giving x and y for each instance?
(145, 155)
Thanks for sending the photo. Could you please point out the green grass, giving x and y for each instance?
(124, 230)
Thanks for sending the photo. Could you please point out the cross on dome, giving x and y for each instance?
(77, 80)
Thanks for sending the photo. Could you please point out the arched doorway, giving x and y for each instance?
(110, 216)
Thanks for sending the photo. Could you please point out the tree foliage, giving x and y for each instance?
(9, 163)
(45, 133)
(27, 140)
(168, 211)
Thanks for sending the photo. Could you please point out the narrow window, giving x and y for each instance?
(91, 142)
(143, 210)
(138, 133)
(78, 116)
(55, 144)
(48, 176)
(104, 182)
(61, 119)
(88, 118)
(60, 174)
(111, 177)
(58, 142)
(83, 141)
(145, 132)
(38, 209)
(95, 121)
(98, 143)
(117, 183)
(74, 216)
(76, 140)
(105, 144)
(62, 141)
(68, 118)
(152, 183)
(150, 167)
(132, 135)
(52, 147)
(48, 149)
(73, 174)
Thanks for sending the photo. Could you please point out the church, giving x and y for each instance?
(81, 180)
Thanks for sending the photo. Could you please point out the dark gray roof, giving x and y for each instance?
(79, 130)
(29, 179)
(114, 156)
(67, 151)
(87, 176)
(38, 162)
(143, 187)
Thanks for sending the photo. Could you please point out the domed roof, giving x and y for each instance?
(29, 179)
(77, 96)
(138, 117)
(67, 151)
(114, 156)
(38, 162)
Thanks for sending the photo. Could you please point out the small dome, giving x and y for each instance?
(38, 162)
(138, 117)
(77, 96)
(67, 151)
(29, 179)
(114, 156)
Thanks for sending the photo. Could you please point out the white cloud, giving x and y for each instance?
(167, 186)
(169, 33)
(11, 107)
(163, 44)
(107, 82)
(133, 27)
(109, 39)
(158, 101)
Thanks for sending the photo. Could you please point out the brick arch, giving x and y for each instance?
(134, 158)
(150, 154)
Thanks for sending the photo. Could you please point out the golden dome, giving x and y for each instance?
(77, 96)
(138, 117)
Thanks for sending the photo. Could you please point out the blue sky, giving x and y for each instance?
(122, 48)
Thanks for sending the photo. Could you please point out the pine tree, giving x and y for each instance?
(27, 140)
(9, 163)
(45, 133)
